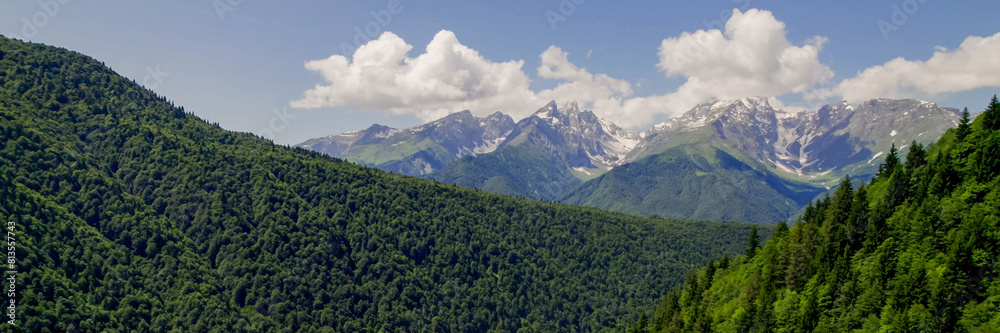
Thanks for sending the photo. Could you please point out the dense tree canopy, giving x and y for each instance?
(915, 250)
(135, 216)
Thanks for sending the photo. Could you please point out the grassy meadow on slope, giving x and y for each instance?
(694, 181)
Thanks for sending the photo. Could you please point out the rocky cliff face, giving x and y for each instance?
(577, 138)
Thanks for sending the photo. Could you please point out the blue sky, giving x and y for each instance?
(242, 67)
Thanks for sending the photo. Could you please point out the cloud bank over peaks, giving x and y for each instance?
(975, 64)
(448, 77)
(750, 56)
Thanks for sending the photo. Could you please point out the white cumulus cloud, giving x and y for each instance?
(449, 77)
(975, 64)
(602, 91)
(752, 57)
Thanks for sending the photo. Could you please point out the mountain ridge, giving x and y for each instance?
(418, 150)
(789, 138)
(546, 154)
(555, 151)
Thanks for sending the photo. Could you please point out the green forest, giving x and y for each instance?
(522, 170)
(133, 215)
(914, 250)
(693, 180)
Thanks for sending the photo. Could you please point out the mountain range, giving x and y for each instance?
(132, 215)
(420, 150)
(766, 162)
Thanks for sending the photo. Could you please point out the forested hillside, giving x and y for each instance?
(696, 181)
(915, 250)
(522, 170)
(133, 215)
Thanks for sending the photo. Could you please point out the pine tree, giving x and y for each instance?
(891, 162)
(857, 221)
(752, 243)
(781, 229)
(641, 326)
(835, 221)
(917, 156)
(963, 126)
(991, 118)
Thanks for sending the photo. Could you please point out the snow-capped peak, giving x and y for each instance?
(707, 113)
(604, 142)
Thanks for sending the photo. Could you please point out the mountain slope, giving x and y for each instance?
(696, 181)
(420, 150)
(72, 278)
(821, 146)
(523, 170)
(786, 159)
(137, 216)
(545, 155)
(915, 250)
(557, 153)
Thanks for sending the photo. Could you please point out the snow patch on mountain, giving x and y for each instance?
(583, 171)
(876, 156)
(489, 146)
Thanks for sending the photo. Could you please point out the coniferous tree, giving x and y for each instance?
(963, 126)
(781, 229)
(991, 118)
(913, 251)
(724, 263)
(134, 216)
(641, 327)
(752, 243)
(891, 162)
(917, 156)
(857, 222)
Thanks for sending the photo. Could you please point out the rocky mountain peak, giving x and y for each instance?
(733, 110)
(555, 113)
(496, 126)
(376, 133)
(496, 117)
